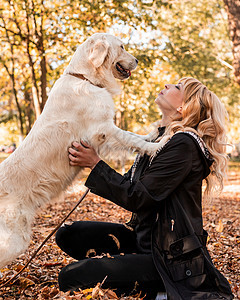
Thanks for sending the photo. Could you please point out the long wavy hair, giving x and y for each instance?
(204, 114)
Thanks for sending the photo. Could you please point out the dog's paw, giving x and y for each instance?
(157, 147)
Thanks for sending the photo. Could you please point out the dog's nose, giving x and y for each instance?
(136, 61)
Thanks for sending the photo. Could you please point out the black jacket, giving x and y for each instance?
(166, 197)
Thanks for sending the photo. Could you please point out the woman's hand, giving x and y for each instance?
(83, 155)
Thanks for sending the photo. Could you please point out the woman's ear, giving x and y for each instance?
(98, 52)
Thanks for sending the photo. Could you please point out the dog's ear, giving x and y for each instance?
(98, 52)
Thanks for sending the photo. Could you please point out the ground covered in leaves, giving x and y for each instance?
(39, 281)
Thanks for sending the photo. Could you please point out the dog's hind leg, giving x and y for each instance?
(15, 234)
(10, 248)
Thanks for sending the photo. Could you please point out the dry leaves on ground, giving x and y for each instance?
(39, 280)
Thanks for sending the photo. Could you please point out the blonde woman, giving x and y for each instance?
(165, 243)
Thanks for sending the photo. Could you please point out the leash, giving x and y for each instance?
(14, 278)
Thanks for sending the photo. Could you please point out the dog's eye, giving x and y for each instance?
(122, 47)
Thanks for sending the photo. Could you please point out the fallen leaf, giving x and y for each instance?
(219, 227)
(24, 282)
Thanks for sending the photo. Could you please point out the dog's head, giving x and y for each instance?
(102, 59)
(107, 52)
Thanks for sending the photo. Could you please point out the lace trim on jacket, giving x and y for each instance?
(200, 141)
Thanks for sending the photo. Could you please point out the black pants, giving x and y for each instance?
(128, 272)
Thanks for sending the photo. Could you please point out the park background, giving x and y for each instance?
(171, 39)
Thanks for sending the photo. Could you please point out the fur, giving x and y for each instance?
(76, 109)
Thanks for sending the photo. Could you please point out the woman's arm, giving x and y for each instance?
(165, 174)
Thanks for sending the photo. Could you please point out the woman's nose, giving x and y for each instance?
(166, 86)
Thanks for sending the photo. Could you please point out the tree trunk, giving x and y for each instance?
(20, 117)
(233, 11)
(28, 111)
(36, 102)
(36, 96)
(12, 77)
(43, 80)
(43, 62)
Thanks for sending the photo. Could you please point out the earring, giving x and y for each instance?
(179, 109)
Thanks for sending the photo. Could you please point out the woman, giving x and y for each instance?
(165, 194)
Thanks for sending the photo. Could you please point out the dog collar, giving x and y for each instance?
(84, 78)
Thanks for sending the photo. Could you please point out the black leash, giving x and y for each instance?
(14, 278)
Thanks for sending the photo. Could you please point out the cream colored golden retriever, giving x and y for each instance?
(79, 107)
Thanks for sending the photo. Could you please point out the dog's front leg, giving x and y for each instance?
(151, 136)
(120, 140)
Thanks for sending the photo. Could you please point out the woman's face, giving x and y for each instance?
(170, 99)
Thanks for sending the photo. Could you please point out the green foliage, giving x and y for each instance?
(171, 39)
(197, 43)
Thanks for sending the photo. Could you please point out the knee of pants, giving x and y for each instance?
(76, 275)
(63, 280)
(60, 237)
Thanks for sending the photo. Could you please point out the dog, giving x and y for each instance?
(80, 107)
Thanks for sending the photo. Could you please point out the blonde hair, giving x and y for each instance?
(204, 114)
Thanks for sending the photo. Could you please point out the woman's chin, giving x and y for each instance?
(157, 102)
